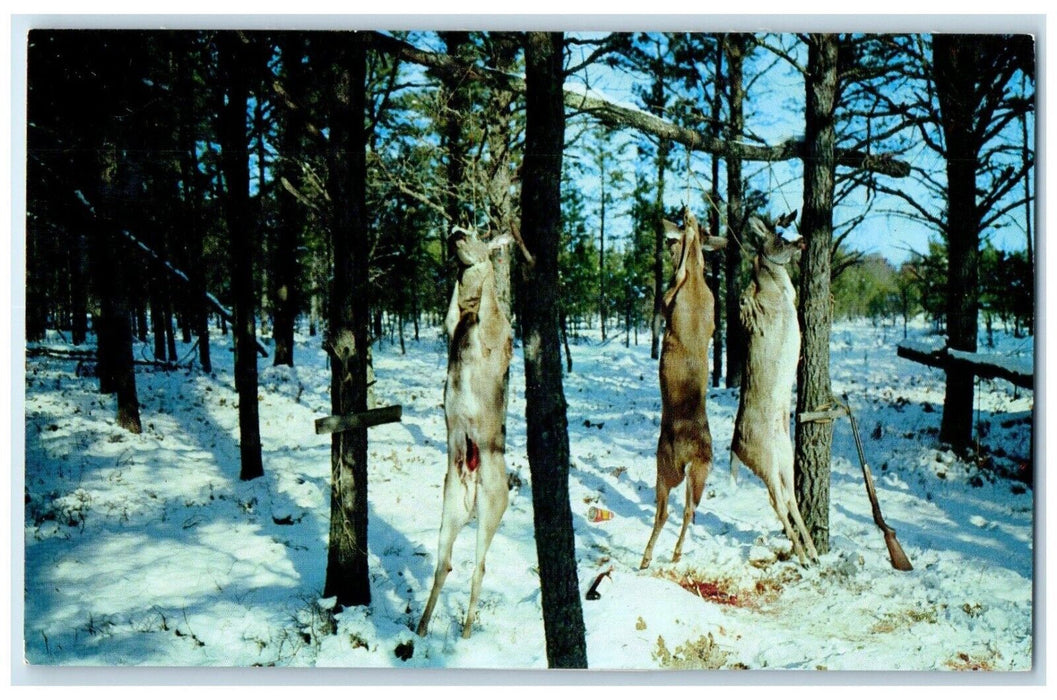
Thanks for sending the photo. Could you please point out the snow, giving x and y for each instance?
(147, 550)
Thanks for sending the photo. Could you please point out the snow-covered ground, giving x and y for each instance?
(148, 550)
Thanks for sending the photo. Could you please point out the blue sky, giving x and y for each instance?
(774, 111)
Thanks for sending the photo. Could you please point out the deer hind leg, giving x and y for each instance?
(794, 512)
(781, 508)
(491, 504)
(667, 477)
(770, 471)
(697, 473)
(455, 514)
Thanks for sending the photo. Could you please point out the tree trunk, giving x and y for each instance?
(170, 330)
(565, 342)
(285, 261)
(714, 222)
(36, 284)
(502, 201)
(546, 422)
(119, 184)
(1025, 155)
(456, 106)
(78, 291)
(658, 253)
(955, 75)
(736, 342)
(235, 164)
(602, 254)
(813, 440)
(157, 318)
(347, 339)
(196, 308)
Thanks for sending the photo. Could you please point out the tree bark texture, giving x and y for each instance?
(714, 221)
(117, 188)
(663, 147)
(545, 417)
(78, 290)
(955, 76)
(456, 105)
(286, 266)
(502, 202)
(814, 440)
(347, 568)
(192, 214)
(736, 342)
(235, 163)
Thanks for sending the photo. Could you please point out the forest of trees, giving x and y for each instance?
(266, 183)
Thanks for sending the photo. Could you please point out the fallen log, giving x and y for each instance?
(983, 365)
(90, 356)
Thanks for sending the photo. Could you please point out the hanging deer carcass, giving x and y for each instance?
(684, 448)
(480, 345)
(761, 430)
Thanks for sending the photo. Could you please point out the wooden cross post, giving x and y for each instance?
(367, 419)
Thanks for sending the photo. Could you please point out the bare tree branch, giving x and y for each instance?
(617, 116)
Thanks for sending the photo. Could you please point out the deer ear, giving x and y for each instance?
(786, 220)
(713, 242)
(671, 229)
(500, 241)
(758, 229)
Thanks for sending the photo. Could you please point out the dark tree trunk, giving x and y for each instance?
(658, 253)
(501, 198)
(170, 330)
(814, 440)
(955, 75)
(78, 290)
(565, 342)
(36, 285)
(656, 105)
(119, 183)
(139, 314)
(197, 311)
(285, 262)
(546, 422)
(736, 343)
(714, 222)
(241, 241)
(602, 255)
(347, 568)
(456, 108)
(157, 319)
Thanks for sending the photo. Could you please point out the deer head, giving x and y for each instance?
(475, 268)
(686, 246)
(770, 246)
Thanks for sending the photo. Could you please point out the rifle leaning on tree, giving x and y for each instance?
(896, 554)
